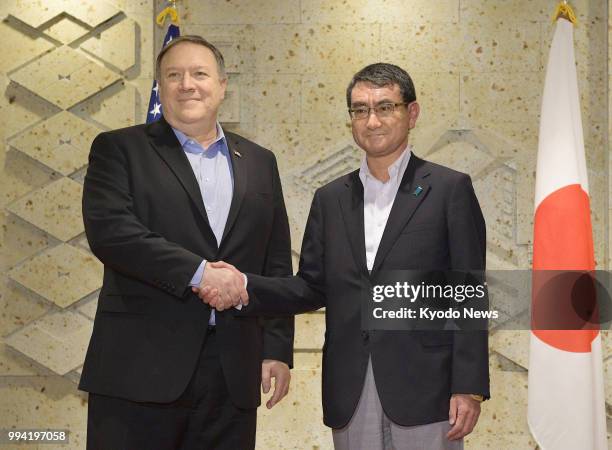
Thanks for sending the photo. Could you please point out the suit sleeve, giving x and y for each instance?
(467, 241)
(279, 331)
(117, 236)
(303, 292)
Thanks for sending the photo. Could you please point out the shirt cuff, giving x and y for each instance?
(196, 280)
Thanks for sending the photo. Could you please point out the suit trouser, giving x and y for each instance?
(371, 429)
(202, 418)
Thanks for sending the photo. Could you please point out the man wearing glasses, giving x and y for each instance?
(387, 389)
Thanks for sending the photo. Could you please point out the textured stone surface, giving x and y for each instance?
(115, 107)
(62, 275)
(240, 11)
(115, 45)
(37, 12)
(18, 306)
(503, 421)
(36, 402)
(20, 239)
(383, 11)
(21, 176)
(66, 30)
(55, 208)
(276, 97)
(60, 142)
(57, 341)
(64, 77)
(513, 345)
(19, 47)
(309, 331)
(21, 108)
(296, 422)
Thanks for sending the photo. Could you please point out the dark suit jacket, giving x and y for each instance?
(415, 371)
(145, 220)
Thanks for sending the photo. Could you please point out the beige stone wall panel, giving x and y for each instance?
(64, 77)
(240, 11)
(422, 47)
(19, 47)
(37, 12)
(21, 240)
(58, 340)
(113, 108)
(115, 45)
(55, 209)
(66, 30)
(61, 142)
(62, 274)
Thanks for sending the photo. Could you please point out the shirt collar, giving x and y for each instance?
(395, 170)
(187, 142)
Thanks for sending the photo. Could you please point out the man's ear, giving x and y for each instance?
(223, 83)
(413, 113)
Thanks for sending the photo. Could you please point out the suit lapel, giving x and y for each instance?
(351, 205)
(169, 149)
(238, 157)
(412, 191)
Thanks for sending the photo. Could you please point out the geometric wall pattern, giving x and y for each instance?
(72, 68)
(88, 48)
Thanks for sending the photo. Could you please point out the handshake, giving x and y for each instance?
(222, 286)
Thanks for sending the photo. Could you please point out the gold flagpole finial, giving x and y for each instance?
(565, 11)
(169, 10)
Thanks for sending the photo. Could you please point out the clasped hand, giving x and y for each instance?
(222, 286)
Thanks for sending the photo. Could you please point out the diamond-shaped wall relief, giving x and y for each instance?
(114, 107)
(18, 48)
(90, 307)
(116, 45)
(64, 77)
(54, 208)
(57, 341)
(327, 169)
(62, 275)
(66, 30)
(462, 156)
(37, 12)
(61, 142)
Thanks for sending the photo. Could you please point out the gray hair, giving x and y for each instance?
(194, 39)
(383, 74)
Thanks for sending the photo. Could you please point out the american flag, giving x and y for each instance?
(154, 112)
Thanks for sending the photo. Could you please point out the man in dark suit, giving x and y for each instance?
(161, 202)
(387, 388)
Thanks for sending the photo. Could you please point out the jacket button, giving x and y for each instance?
(365, 335)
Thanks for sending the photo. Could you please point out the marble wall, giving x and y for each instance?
(72, 68)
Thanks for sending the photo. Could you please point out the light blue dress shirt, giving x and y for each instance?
(212, 168)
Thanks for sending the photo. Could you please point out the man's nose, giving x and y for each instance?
(372, 121)
(187, 82)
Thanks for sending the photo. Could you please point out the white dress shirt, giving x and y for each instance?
(378, 198)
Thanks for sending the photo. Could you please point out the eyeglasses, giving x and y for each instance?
(382, 110)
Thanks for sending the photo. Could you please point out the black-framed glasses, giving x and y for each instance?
(382, 110)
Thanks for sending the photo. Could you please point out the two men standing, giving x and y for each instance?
(163, 201)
